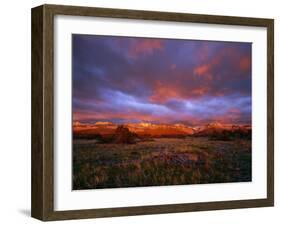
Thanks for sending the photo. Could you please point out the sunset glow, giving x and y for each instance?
(128, 79)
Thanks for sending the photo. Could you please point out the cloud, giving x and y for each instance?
(163, 92)
(204, 71)
(173, 66)
(125, 78)
(145, 47)
(201, 70)
(245, 63)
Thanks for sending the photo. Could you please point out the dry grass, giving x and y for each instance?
(163, 161)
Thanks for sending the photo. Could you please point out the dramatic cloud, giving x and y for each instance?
(145, 46)
(126, 79)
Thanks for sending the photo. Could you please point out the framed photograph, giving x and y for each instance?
(141, 112)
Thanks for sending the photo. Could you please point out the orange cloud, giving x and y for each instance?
(204, 71)
(200, 91)
(245, 64)
(162, 93)
(145, 46)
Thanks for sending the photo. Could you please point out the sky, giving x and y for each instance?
(132, 79)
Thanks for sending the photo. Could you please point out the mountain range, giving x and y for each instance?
(159, 130)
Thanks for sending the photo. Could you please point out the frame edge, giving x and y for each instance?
(270, 111)
(37, 189)
(42, 205)
(156, 15)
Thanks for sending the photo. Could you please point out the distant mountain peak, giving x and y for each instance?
(145, 124)
(103, 123)
(76, 123)
(214, 125)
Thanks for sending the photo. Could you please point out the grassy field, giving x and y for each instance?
(163, 161)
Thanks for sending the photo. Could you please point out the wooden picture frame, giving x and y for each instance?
(42, 204)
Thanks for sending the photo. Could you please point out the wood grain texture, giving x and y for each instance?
(270, 111)
(43, 108)
(157, 209)
(37, 159)
(42, 113)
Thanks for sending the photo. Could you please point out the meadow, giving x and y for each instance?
(160, 161)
